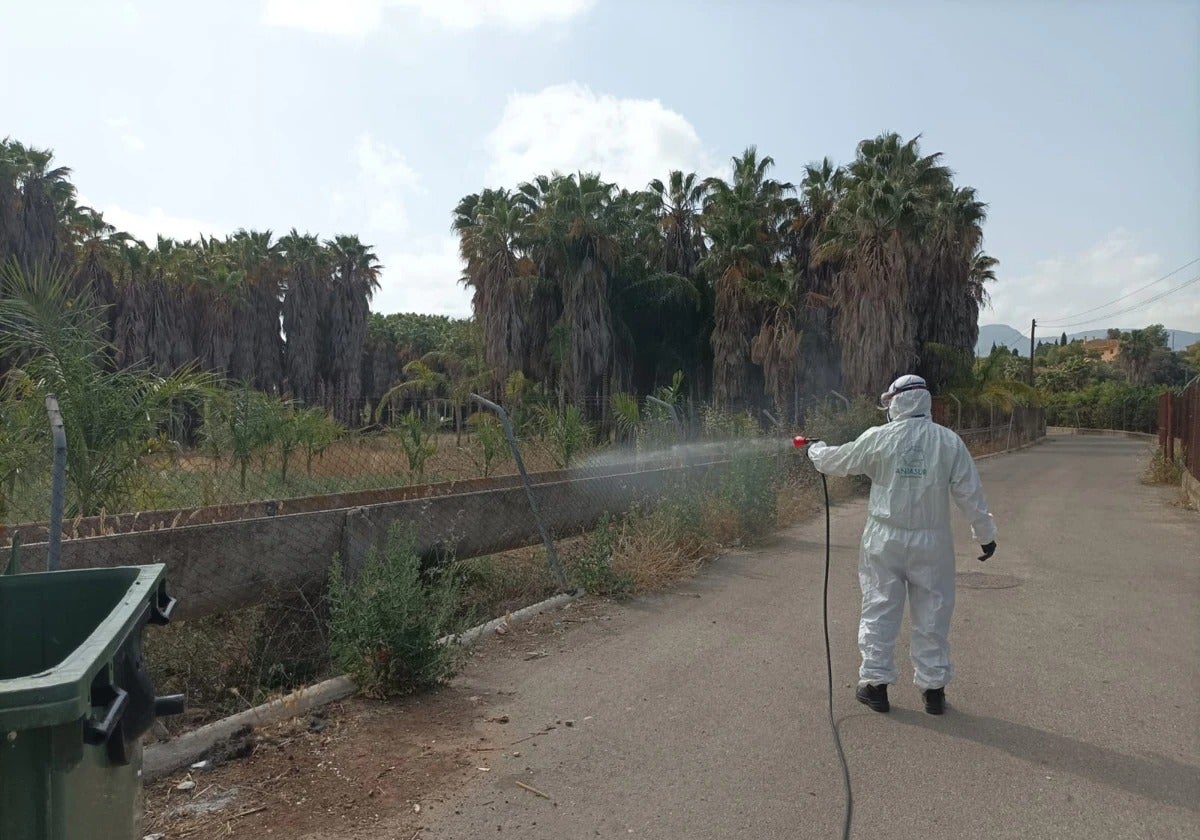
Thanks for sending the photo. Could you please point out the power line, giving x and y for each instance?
(1126, 310)
(1127, 294)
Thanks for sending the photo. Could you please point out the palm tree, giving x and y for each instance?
(872, 236)
(776, 347)
(218, 292)
(821, 189)
(743, 220)
(35, 232)
(259, 351)
(492, 229)
(305, 276)
(944, 300)
(545, 348)
(575, 231)
(354, 280)
(687, 293)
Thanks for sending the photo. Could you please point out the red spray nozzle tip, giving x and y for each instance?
(799, 441)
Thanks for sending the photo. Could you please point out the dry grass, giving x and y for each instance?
(1162, 471)
(652, 552)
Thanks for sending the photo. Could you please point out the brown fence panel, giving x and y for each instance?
(1179, 427)
(1191, 429)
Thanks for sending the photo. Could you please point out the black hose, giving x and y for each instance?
(837, 738)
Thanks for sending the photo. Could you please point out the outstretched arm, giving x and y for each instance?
(854, 458)
(967, 491)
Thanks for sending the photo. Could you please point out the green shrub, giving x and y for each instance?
(593, 571)
(385, 625)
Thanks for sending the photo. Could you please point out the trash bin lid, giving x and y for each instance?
(58, 630)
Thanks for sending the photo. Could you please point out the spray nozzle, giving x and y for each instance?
(799, 441)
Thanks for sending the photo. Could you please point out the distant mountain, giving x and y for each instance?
(1005, 336)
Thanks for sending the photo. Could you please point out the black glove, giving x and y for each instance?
(988, 550)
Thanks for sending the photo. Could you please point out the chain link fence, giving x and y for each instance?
(517, 505)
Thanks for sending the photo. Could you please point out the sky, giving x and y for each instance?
(1078, 122)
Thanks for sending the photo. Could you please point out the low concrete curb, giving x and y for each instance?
(169, 756)
(1071, 430)
(471, 636)
(1034, 442)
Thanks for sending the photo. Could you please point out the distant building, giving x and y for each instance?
(1107, 349)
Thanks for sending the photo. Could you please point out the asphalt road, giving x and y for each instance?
(701, 714)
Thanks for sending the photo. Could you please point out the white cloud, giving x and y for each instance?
(1061, 287)
(150, 224)
(424, 280)
(375, 199)
(327, 17)
(515, 14)
(383, 163)
(569, 128)
(125, 133)
(358, 18)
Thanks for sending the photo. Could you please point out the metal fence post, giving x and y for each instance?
(58, 483)
(958, 402)
(556, 568)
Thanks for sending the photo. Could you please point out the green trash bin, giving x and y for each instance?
(75, 700)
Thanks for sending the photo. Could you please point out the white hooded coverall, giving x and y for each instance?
(915, 466)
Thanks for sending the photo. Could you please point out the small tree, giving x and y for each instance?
(112, 418)
(418, 441)
(247, 423)
(490, 437)
(566, 433)
(316, 431)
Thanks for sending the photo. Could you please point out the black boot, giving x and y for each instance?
(935, 700)
(874, 696)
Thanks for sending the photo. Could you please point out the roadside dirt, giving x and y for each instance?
(343, 771)
(361, 769)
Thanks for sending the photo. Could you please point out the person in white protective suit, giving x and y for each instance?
(915, 467)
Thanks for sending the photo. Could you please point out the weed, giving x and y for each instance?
(750, 488)
(594, 571)
(1162, 471)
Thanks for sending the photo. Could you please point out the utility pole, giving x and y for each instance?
(1032, 332)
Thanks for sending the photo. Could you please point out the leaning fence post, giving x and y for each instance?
(58, 479)
(671, 410)
(552, 555)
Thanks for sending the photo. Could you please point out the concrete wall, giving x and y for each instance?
(225, 565)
